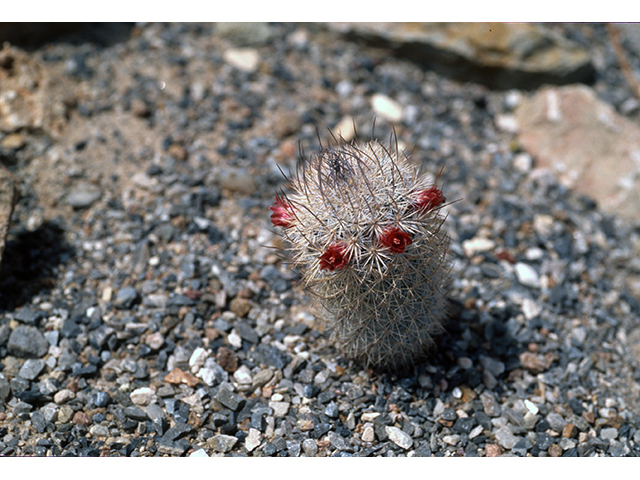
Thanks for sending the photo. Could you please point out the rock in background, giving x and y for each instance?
(500, 55)
(8, 198)
(591, 148)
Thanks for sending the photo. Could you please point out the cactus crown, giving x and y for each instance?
(365, 228)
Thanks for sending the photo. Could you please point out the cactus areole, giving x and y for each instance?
(365, 229)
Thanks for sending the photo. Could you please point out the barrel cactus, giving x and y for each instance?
(365, 230)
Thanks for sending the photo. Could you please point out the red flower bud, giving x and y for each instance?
(335, 257)
(282, 213)
(428, 199)
(395, 239)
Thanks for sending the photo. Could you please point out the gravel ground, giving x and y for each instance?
(141, 313)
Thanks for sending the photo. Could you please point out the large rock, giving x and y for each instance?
(500, 55)
(29, 98)
(8, 198)
(591, 148)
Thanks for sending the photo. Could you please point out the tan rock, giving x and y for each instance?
(503, 55)
(591, 148)
(8, 199)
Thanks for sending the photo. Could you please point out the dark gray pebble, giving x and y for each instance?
(229, 399)
(27, 341)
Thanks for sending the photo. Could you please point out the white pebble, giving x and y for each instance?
(400, 438)
(527, 275)
(475, 245)
(245, 59)
(243, 375)
(386, 107)
(530, 309)
(141, 396)
(253, 440)
(368, 434)
(522, 162)
(234, 339)
(198, 357)
(531, 406)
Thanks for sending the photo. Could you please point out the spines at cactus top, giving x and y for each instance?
(365, 230)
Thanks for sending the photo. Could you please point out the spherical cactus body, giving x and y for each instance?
(365, 230)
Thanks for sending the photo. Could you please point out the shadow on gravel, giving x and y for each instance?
(33, 35)
(29, 264)
(487, 336)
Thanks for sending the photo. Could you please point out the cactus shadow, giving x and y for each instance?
(29, 264)
(469, 335)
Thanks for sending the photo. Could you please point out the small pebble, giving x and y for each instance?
(527, 275)
(400, 438)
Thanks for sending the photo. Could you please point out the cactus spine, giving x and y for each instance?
(365, 228)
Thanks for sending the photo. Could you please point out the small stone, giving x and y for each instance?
(505, 438)
(245, 59)
(222, 443)
(570, 431)
(199, 453)
(309, 447)
(63, 396)
(537, 363)
(178, 431)
(555, 450)
(345, 128)
(83, 196)
(227, 359)
(142, 396)
(229, 399)
(527, 275)
(530, 309)
(451, 439)
(493, 450)
(531, 406)
(243, 375)
(125, 297)
(368, 434)
(476, 245)
(27, 342)
(81, 418)
(337, 441)
(13, 141)
(31, 369)
(369, 416)
(155, 340)
(609, 433)
(386, 107)
(253, 440)
(99, 431)
(65, 414)
(261, 378)
(556, 421)
(197, 359)
(234, 339)
(177, 376)
(496, 367)
(400, 438)
(331, 410)
(240, 306)
(136, 413)
(530, 420)
(280, 409)
(475, 432)
(490, 405)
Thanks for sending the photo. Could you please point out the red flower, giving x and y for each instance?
(428, 199)
(395, 239)
(282, 213)
(335, 257)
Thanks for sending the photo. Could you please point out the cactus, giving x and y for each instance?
(365, 229)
